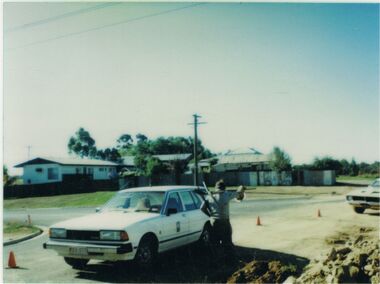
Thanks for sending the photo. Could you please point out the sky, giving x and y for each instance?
(304, 77)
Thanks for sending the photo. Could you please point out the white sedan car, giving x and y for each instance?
(368, 197)
(136, 224)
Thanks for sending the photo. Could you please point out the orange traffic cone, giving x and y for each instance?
(12, 260)
(319, 213)
(258, 222)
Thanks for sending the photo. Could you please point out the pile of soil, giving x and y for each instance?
(263, 272)
(353, 259)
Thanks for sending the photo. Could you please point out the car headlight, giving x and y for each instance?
(114, 235)
(57, 233)
(349, 198)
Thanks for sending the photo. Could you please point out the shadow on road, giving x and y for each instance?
(351, 184)
(377, 213)
(188, 264)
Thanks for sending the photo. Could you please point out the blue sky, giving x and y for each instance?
(304, 77)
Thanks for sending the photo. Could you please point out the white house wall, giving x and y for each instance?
(99, 172)
(32, 176)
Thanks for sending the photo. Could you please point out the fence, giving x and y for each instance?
(316, 178)
(230, 178)
(59, 188)
(262, 178)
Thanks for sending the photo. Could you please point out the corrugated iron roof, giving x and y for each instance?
(130, 160)
(172, 157)
(244, 158)
(66, 162)
(247, 150)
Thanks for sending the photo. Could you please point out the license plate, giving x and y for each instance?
(78, 251)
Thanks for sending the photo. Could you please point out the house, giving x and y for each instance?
(245, 159)
(127, 165)
(47, 170)
(168, 159)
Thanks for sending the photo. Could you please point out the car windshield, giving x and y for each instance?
(141, 201)
(376, 183)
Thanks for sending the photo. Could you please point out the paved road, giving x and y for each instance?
(39, 265)
(49, 216)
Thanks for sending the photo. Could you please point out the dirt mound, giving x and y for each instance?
(263, 272)
(356, 260)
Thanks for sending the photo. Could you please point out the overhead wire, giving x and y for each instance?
(126, 21)
(59, 17)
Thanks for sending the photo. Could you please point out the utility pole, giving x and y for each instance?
(196, 123)
(29, 147)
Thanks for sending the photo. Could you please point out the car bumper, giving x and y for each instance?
(364, 203)
(92, 251)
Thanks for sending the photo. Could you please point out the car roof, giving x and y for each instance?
(160, 188)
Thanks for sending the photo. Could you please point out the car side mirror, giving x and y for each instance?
(171, 211)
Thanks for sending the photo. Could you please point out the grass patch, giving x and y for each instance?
(16, 228)
(70, 200)
(355, 178)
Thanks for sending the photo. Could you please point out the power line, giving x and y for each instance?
(106, 26)
(59, 17)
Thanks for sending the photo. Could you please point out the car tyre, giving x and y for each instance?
(359, 210)
(146, 253)
(205, 238)
(76, 263)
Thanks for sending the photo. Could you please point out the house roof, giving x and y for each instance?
(66, 162)
(240, 151)
(244, 159)
(172, 157)
(130, 160)
(244, 156)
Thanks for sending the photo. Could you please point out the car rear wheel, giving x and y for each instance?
(205, 238)
(359, 210)
(76, 263)
(146, 253)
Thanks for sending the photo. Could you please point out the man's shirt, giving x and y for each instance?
(221, 206)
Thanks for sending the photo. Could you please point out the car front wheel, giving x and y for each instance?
(76, 263)
(146, 253)
(359, 210)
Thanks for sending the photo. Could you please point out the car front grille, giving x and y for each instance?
(358, 198)
(83, 235)
(373, 199)
(367, 199)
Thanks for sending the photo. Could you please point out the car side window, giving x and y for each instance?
(187, 200)
(174, 202)
(197, 200)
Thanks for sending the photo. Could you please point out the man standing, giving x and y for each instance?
(222, 230)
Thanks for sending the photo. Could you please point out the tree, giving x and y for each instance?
(109, 154)
(82, 144)
(141, 138)
(5, 175)
(281, 160)
(354, 168)
(326, 163)
(154, 166)
(345, 167)
(124, 142)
